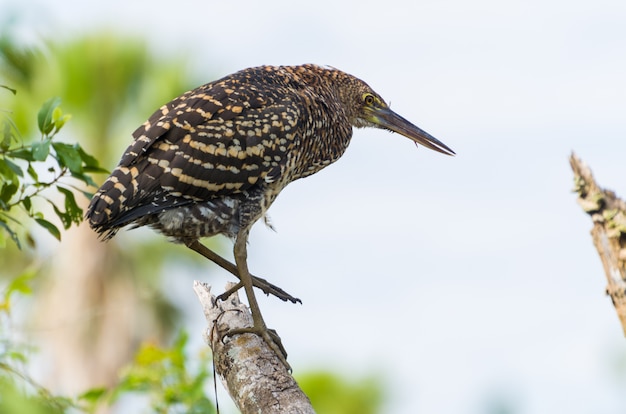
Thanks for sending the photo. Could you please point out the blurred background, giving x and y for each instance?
(464, 284)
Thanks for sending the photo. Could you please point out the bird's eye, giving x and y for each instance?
(368, 99)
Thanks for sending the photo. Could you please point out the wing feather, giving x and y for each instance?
(219, 139)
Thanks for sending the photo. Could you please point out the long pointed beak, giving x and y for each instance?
(390, 120)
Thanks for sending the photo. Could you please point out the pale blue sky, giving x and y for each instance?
(459, 279)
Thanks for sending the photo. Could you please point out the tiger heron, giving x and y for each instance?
(214, 159)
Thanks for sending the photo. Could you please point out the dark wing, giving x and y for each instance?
(219, 139)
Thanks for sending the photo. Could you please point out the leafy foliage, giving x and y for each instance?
(20, 393)
(28, 170)
(331, 394)
(165, 376)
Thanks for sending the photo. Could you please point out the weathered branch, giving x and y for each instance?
(254, 376)
(608, 214)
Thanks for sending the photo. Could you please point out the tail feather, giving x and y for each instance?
(112, 200)
(123, 200)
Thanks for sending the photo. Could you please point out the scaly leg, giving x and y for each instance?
(258, 282)
(269, 335)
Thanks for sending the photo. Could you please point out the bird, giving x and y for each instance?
(213, 160)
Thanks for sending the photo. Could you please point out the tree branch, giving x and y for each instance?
(608, 214)
(253, 375)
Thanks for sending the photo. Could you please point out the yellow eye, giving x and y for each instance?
(368, 99)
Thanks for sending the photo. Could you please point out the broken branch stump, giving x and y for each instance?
(252, 373)
(608, 214)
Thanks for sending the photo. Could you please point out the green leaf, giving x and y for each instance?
(65, 218)
(93, 395)
(89, 160)
(88, 194)
(73, 213)
(150, 354)
(16, 356)
(59, 119)
(45, 116)
(84, 178)
(90, 169)
(68, 156)
(9, 183)
(8, 230)
(5, 142)
(27, 203)
(14, 167)
(31, 171)
(57, 114)
(6, 192)
(21, 283)
(24, 153)
(52, 229)
(41, 149)
(6, 173)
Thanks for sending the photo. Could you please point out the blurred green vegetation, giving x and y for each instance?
(332, 394)
(171, 378)
(19, 393)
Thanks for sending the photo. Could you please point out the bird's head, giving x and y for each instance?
(370, 110)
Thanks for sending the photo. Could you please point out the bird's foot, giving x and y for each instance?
(265, 286)
(270, 337)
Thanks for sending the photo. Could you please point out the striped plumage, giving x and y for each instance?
(213, 160)
(228, 144)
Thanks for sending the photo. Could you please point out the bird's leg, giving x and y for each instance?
(258, 282)
(259, 328)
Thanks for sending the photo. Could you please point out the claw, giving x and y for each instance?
(270, 289)
(265, 286)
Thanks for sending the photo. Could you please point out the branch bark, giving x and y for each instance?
(253, 375)
(608, 214)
